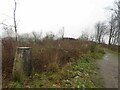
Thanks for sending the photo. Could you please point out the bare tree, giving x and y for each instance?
(14, 17)
(7, 31)
(14, 20)
(92, 37)
(115, 24)
(61, 32)
(112, 29)
(100, 29)
(36, 36)
(49, 36)
(23, 37)
(84, 36)
(118, 19)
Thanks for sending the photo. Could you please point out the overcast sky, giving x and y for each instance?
(51, 15)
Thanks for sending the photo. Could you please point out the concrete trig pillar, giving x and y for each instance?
(22, 63)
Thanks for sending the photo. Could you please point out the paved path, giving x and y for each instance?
(109, 70)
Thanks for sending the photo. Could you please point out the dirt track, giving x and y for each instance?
(108, 67)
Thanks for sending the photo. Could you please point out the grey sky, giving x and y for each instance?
(51, 15)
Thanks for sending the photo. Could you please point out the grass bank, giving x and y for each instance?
(80, 73)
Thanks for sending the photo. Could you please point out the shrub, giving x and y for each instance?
(66, 72)
(53, 67)
(8, 52)
(93, 47)
(101, 51)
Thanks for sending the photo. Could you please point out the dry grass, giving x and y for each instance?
(111, 47)
(48, 55)
(8, 52)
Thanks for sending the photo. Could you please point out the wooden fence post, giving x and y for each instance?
(22, 63)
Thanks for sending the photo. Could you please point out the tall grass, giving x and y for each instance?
(8, 52)
(48, 55)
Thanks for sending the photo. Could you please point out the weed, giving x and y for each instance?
(15, 85)
(56, 63)
(93, 47)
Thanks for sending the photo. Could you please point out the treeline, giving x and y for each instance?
(111, 28)
(108, 29)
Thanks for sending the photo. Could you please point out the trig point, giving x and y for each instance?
(22, 63)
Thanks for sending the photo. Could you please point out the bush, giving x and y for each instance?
(8, 52)
(53, 67)
(66, 72)
(93, 47)
(101, 51)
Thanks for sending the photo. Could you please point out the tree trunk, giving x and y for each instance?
(110, 36)
(15, 25)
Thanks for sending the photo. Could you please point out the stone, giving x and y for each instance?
(22, 66)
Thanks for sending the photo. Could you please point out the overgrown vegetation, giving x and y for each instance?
(73, 75)
(114, 48)
(57, 63)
